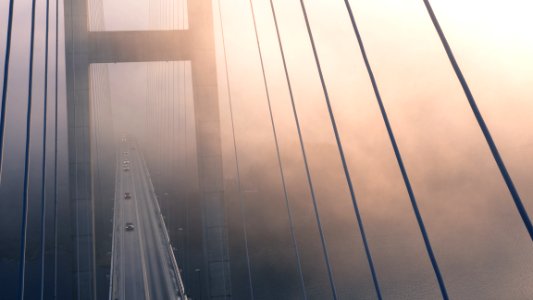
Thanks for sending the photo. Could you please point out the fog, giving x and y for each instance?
(479, 240)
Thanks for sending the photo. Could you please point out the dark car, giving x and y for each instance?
(129, 226)
(127, 195)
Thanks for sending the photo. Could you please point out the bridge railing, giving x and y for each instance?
(177, 274)
(116, 212)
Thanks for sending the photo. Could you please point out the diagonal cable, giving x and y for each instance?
(304, 154)
(278, 155)
(24, 225)
(43, 167)
(241, 202)
(5, 82)
(479, 118)
(398, 155)
(341, 153)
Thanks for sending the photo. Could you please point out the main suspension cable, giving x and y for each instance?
(341, 153)
(397, 153)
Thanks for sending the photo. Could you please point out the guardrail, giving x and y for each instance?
(180, 286)
(112, 295)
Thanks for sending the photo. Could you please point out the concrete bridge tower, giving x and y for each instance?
(82, 48)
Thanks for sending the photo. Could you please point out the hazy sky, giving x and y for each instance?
(478, 238)
(472, 222)
(480, 243)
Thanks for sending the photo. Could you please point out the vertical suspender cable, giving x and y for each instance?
(182, 179)
(23, 229)
(148, 133)
(225, 256)
(168, 124)
(186, 165)
(176, 132)
(161, 103)
(164, 116)
(157, 92)
(304, 154)
(183, 157)
(153, 104)
(43, 167)
(168, 139)
(98, 98)
(175, 146)
(488, 137)
(100, 87)
(164, 77)
(164, 91)
(156, 89)
(187, 168)
(398, 155)
(159, 98)
(6, 81)
(76, 205)
(172, 156)
(160, 117)
(241, 202)
(147, 110)
(56, 110)
(341, 153)
(96, 19)
(278, 155)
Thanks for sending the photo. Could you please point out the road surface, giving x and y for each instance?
(142, 264)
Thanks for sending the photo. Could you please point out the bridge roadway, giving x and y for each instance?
(143, 266)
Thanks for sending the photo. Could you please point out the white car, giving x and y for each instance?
(129, 226)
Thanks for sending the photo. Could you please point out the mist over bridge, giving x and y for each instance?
(273, 180)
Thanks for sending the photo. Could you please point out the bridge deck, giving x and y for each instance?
(143, 266)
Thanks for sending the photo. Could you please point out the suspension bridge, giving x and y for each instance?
(158, 192)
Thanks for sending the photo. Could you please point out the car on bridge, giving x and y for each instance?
(127, 195)
(129, 226)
